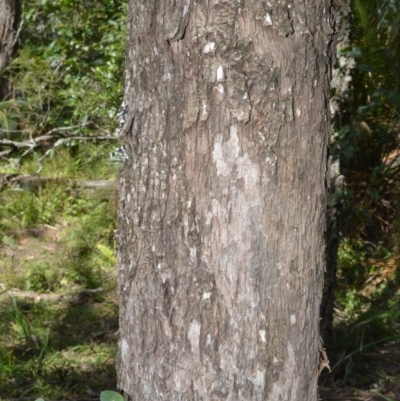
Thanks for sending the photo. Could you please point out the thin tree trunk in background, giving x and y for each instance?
(10, 14)
(222, 200)
(340, 84)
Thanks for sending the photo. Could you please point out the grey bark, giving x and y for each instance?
(222, 201)
(10, 14)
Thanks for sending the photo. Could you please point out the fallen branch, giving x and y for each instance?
(29, 182)
(33, 143)
(55, 134)
(72, 298)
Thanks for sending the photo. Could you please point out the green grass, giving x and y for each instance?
(57, 351)
(56, 236)
(368, 305)
(58, 239)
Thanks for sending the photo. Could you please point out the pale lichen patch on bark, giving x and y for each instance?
(220, 89)
(194, 337)
(263, 335)
(207, 295)
(218, 156)
(226, 157)
(258, 380)
(209, 47)
(124, 350)
(241, 208)
(220, 73)
(284, 389)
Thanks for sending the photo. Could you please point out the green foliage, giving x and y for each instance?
(83, 43)
(90, 232)
(41, 276)
(20, 326)
(352, 304)
(351, 261)
(21, 212)
(25, 209)
(366, 138)
(8, 116)
(68, 72)
(368, 306)
(354, 340)
(111, 396)
(52, 350)
(56, 236)
(366, 142)
(36, 350)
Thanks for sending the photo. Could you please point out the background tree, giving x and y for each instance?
(365, 146)
(368, 126)
(341, 78)
(222, 200)
(10, 14)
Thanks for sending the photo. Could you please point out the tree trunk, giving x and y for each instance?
(10, 13)
(222, 200)
(340, 83)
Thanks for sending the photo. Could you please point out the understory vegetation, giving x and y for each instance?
(367, 145)
(58, 304)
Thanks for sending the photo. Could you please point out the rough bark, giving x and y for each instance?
(222, 200)
(10, 13)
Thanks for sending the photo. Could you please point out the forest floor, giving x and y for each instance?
(58, 305)
(376, 378)
(58, 338)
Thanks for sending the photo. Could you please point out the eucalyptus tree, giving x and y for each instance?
(222, 199)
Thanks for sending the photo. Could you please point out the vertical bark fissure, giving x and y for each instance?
(222, 201)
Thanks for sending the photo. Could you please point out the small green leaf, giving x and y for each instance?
(379, 169)
(379, 92)
(343, 131)
(345, 50)
(394, 98)
(111, 396)
(373, 192)
(365, 67)
(354, 52)
(336, 197)
(363, 109)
